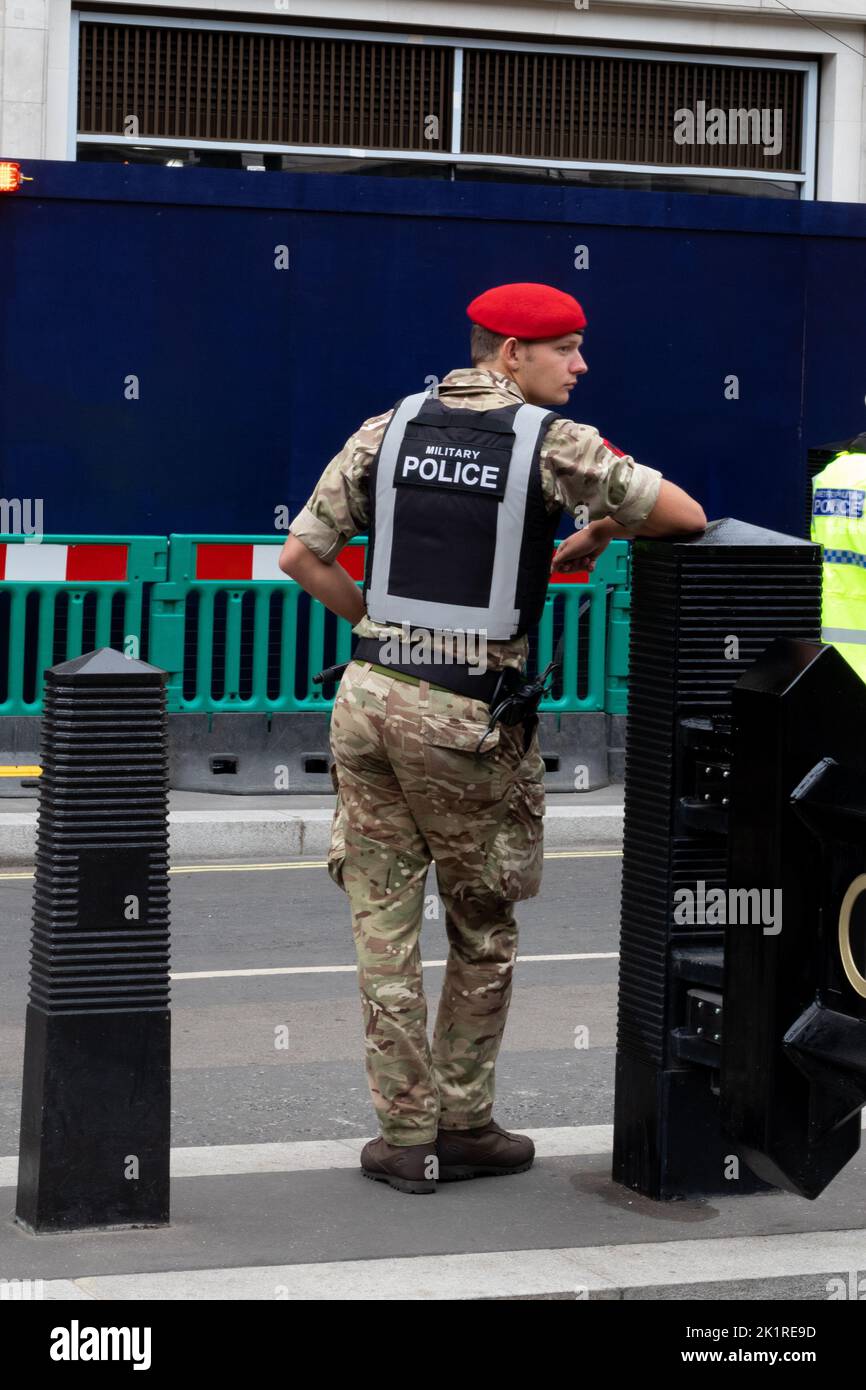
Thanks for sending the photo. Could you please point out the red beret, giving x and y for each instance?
(526, 310)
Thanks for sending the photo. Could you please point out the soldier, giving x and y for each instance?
(461, 494)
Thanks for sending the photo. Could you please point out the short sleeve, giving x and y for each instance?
(581, 469)
(339, 507)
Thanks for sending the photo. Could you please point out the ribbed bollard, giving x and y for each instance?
(95, 1112)
(703, 609)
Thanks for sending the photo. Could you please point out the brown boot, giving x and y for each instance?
(404, 1167)
(479, 1153)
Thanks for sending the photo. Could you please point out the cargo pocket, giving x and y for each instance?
(455, 771)
(337, 848)
(516, 861)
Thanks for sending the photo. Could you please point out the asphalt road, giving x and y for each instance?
(232, 1084)
(242, 1228)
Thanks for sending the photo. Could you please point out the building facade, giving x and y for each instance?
(687, 95)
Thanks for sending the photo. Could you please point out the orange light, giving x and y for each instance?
(10, 176)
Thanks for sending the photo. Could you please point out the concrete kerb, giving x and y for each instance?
(220, 835)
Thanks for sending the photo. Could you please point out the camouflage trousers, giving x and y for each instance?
(411, 789)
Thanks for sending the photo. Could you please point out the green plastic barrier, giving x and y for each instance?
(618, 627)
(583, 649)
(61, 596)
(619, 624)
(68, 594)
(227, 627)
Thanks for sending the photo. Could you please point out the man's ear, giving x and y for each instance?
(509, 353)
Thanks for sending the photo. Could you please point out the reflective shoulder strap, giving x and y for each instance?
(386, 496)
(529, 421)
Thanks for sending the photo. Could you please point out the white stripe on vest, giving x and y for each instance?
(843, 634)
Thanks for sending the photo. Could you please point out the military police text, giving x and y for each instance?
(469, 473)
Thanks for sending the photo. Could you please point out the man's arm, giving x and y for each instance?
(585, 473)
(330, 584)
(675, 513)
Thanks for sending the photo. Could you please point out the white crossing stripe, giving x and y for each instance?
(221, 1160)
(322, 1155)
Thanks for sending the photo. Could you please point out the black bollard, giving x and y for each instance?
(703, 609)
(95, 1111)
(793, 1076)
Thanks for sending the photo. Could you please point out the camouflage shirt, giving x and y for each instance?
(579, 469)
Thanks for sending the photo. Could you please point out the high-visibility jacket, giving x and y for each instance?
(839, 525)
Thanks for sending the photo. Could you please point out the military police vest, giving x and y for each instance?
(839, 525)
(459, 537)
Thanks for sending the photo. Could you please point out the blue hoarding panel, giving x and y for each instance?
(159, 373)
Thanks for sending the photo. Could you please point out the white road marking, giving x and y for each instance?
(351, 969)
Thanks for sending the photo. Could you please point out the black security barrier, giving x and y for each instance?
(95, 1112)
(703, 610)
(793, 1077)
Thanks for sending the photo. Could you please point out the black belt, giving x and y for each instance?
(453, 676)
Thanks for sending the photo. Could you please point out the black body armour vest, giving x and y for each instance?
(460, 537)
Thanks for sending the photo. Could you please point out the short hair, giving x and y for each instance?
(484, 343)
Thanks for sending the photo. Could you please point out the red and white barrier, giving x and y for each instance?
(249, 561)
(47, 562)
